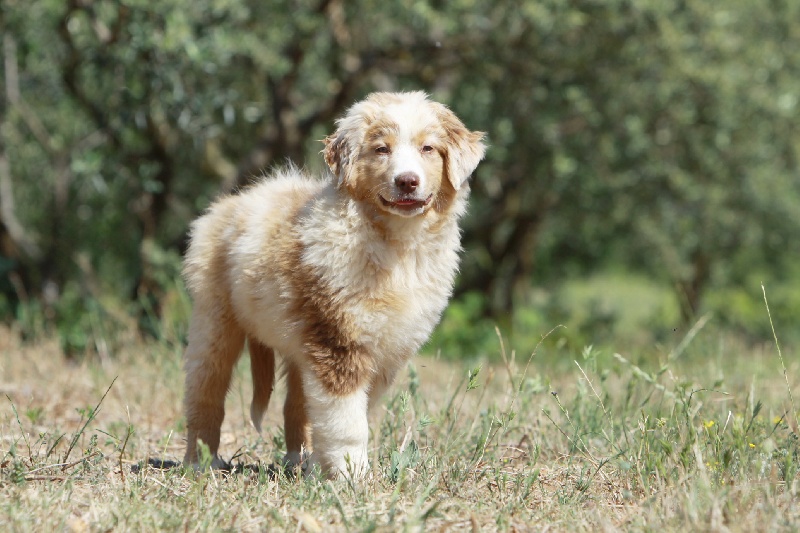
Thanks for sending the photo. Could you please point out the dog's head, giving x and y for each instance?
(402, 152)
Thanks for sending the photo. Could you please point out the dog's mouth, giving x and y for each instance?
(406, 203)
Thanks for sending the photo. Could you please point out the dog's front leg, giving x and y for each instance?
(339, 428)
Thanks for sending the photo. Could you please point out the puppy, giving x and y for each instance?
(344, 278)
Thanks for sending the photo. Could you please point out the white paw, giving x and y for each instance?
(347, 463)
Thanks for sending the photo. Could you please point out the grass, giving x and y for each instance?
(704, 437)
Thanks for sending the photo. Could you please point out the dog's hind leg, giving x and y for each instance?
(215, 342)
(295, 418)
(262, 368)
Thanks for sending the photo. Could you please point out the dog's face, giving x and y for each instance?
(402, 153)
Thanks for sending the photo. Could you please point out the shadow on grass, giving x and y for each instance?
(272, 470)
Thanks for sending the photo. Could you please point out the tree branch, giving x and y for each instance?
(69, 76)
(8, 219)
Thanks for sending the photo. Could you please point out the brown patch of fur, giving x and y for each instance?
(295, 417)
(443, 199)
(336, 153)
(459, 139)
(340, 363)
(207, 383)
(262, 369)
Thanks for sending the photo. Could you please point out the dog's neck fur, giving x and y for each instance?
(335, 236)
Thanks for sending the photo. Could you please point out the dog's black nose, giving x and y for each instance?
(407, 182)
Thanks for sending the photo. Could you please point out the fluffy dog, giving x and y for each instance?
(344, 278)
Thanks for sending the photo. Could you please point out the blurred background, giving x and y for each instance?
(642, 173)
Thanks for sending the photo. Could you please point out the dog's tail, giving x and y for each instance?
(262, 367)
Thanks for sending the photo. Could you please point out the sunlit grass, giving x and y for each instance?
(702, 440)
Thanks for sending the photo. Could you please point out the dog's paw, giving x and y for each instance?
(294, 463)
(293, 459)
(217, 463)
(352, 465)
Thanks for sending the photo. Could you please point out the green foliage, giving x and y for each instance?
(600, 310)
(638, 135)
(650, 137)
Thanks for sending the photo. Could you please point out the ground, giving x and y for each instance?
(700, 438)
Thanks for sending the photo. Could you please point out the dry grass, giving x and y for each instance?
(701, 444)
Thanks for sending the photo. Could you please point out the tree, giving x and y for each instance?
(651, 135)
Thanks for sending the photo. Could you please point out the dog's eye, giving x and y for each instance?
(383, 150)
(427, 149)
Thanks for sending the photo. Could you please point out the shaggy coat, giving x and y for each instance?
(344, 278)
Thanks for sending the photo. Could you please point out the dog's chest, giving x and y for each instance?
(391, 300)
(404, 308)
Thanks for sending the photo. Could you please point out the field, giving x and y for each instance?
(701, 435)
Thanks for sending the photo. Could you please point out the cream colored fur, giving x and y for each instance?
(345, 278)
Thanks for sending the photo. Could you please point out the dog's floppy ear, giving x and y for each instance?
(338, 154)
(465, 148)
(343, 145)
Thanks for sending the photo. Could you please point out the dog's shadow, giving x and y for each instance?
(272, 471)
